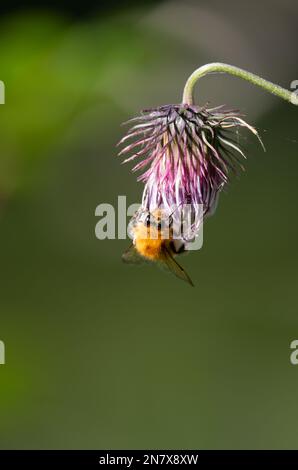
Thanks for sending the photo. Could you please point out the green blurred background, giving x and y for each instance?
(105, 355)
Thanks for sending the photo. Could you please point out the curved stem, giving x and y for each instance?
(232, 70)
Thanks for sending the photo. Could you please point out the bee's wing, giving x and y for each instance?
(175, 267)
(132, 256)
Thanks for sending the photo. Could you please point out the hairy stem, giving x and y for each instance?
(232, 70)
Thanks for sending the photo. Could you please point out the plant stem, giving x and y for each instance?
(232, 70)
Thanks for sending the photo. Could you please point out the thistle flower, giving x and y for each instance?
(187, 152)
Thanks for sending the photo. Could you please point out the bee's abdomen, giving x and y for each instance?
(149, 248)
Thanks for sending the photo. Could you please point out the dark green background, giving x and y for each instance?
(104, 355)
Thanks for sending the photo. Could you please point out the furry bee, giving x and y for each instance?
(153, 241)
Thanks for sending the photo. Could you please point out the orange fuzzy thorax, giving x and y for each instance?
(151, 249)
(149, 242)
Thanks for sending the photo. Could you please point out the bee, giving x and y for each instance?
(153, 241)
